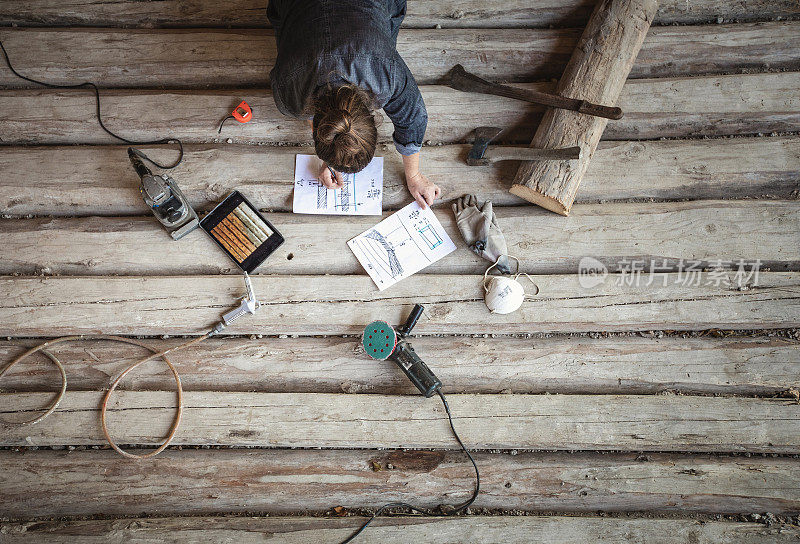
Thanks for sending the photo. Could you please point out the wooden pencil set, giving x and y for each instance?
(241, 231)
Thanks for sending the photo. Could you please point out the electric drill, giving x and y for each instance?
(382, 342)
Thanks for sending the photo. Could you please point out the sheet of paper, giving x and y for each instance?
(362, 193)
(402, 244)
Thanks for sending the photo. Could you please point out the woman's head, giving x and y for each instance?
(345, 132)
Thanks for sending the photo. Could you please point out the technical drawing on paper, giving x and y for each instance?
(401, 245)
(362, 193)
(394, 266)
(428, 233)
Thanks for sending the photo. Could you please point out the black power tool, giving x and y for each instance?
(165, 199)
(382, 342)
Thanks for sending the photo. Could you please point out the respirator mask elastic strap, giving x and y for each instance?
(486, 274)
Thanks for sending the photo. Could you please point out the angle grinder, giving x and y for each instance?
(165, 199)
(382, 342)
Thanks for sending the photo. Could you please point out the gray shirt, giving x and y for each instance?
(322, 42)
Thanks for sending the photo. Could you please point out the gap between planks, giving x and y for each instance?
(98, 180)
(764, 366)
(310, 420)
(421, 14)
(662, 237)
(660, 108)
(64, 483)
(398, 530)
(192, 58)
(315, 305)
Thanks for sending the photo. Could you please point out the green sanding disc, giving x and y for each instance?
(379, 339)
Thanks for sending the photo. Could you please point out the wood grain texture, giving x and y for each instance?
(596, 72)
(566, 364)
(47, 483)
(663, 236)
(397, 530)
(230, 58)
(312, 305)
(421, 13)
(97, 180)
(312, 420)
(661, 108)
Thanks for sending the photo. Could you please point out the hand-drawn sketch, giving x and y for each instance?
(401, 245)
(362, 193)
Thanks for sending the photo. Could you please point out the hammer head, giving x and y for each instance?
(483, 136)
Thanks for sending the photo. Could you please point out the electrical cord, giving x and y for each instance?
(154, 354)
(89, 84)
(443, 510)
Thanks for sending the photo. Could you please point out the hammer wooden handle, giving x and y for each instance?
(462, 80)
(509, 153)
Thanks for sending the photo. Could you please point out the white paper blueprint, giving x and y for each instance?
(362, 193)
(402, 244)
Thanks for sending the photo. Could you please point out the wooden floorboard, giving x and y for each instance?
(660, 108)
(567, 365)
(48, 483)
(598, 403)
(421, 13)
(310, 420)
(98, 180)
(203, 58)
(487, 530)
(312, 305)
(661, 236)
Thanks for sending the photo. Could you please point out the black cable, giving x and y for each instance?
(99, 117)
(223, 122)
(441, 513)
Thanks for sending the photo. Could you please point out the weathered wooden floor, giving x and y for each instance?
(664, 411)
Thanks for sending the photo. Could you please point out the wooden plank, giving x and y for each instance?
(398, 530)
(313, 305)
(662, 236)
(97, 180)
(344, 304)
(661, 108)
(310, 420)
(421, 13)
(47, 483)
(566, 364)
(202, 58)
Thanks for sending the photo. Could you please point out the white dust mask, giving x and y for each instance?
(504, 294)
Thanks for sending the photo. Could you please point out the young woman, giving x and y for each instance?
(337, 63)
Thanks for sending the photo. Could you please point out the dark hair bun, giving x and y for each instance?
(345, 132)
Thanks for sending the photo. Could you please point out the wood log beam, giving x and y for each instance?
(421, 13)
(313, 305)
(660, 108)
(764, 366)
(314, 420)
(596, 72)
(663, 237)
(70, 483)
(95, 180)
(237, 58)
(396, 530)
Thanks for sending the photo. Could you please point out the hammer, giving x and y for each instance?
(461, 80)
(484, 135)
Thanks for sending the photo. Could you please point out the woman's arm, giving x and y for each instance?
(421, 188)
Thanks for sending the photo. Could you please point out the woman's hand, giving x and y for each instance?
(422, 189)
(328, 180)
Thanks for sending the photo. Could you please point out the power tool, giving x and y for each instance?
(382, 342)
(165, 199)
